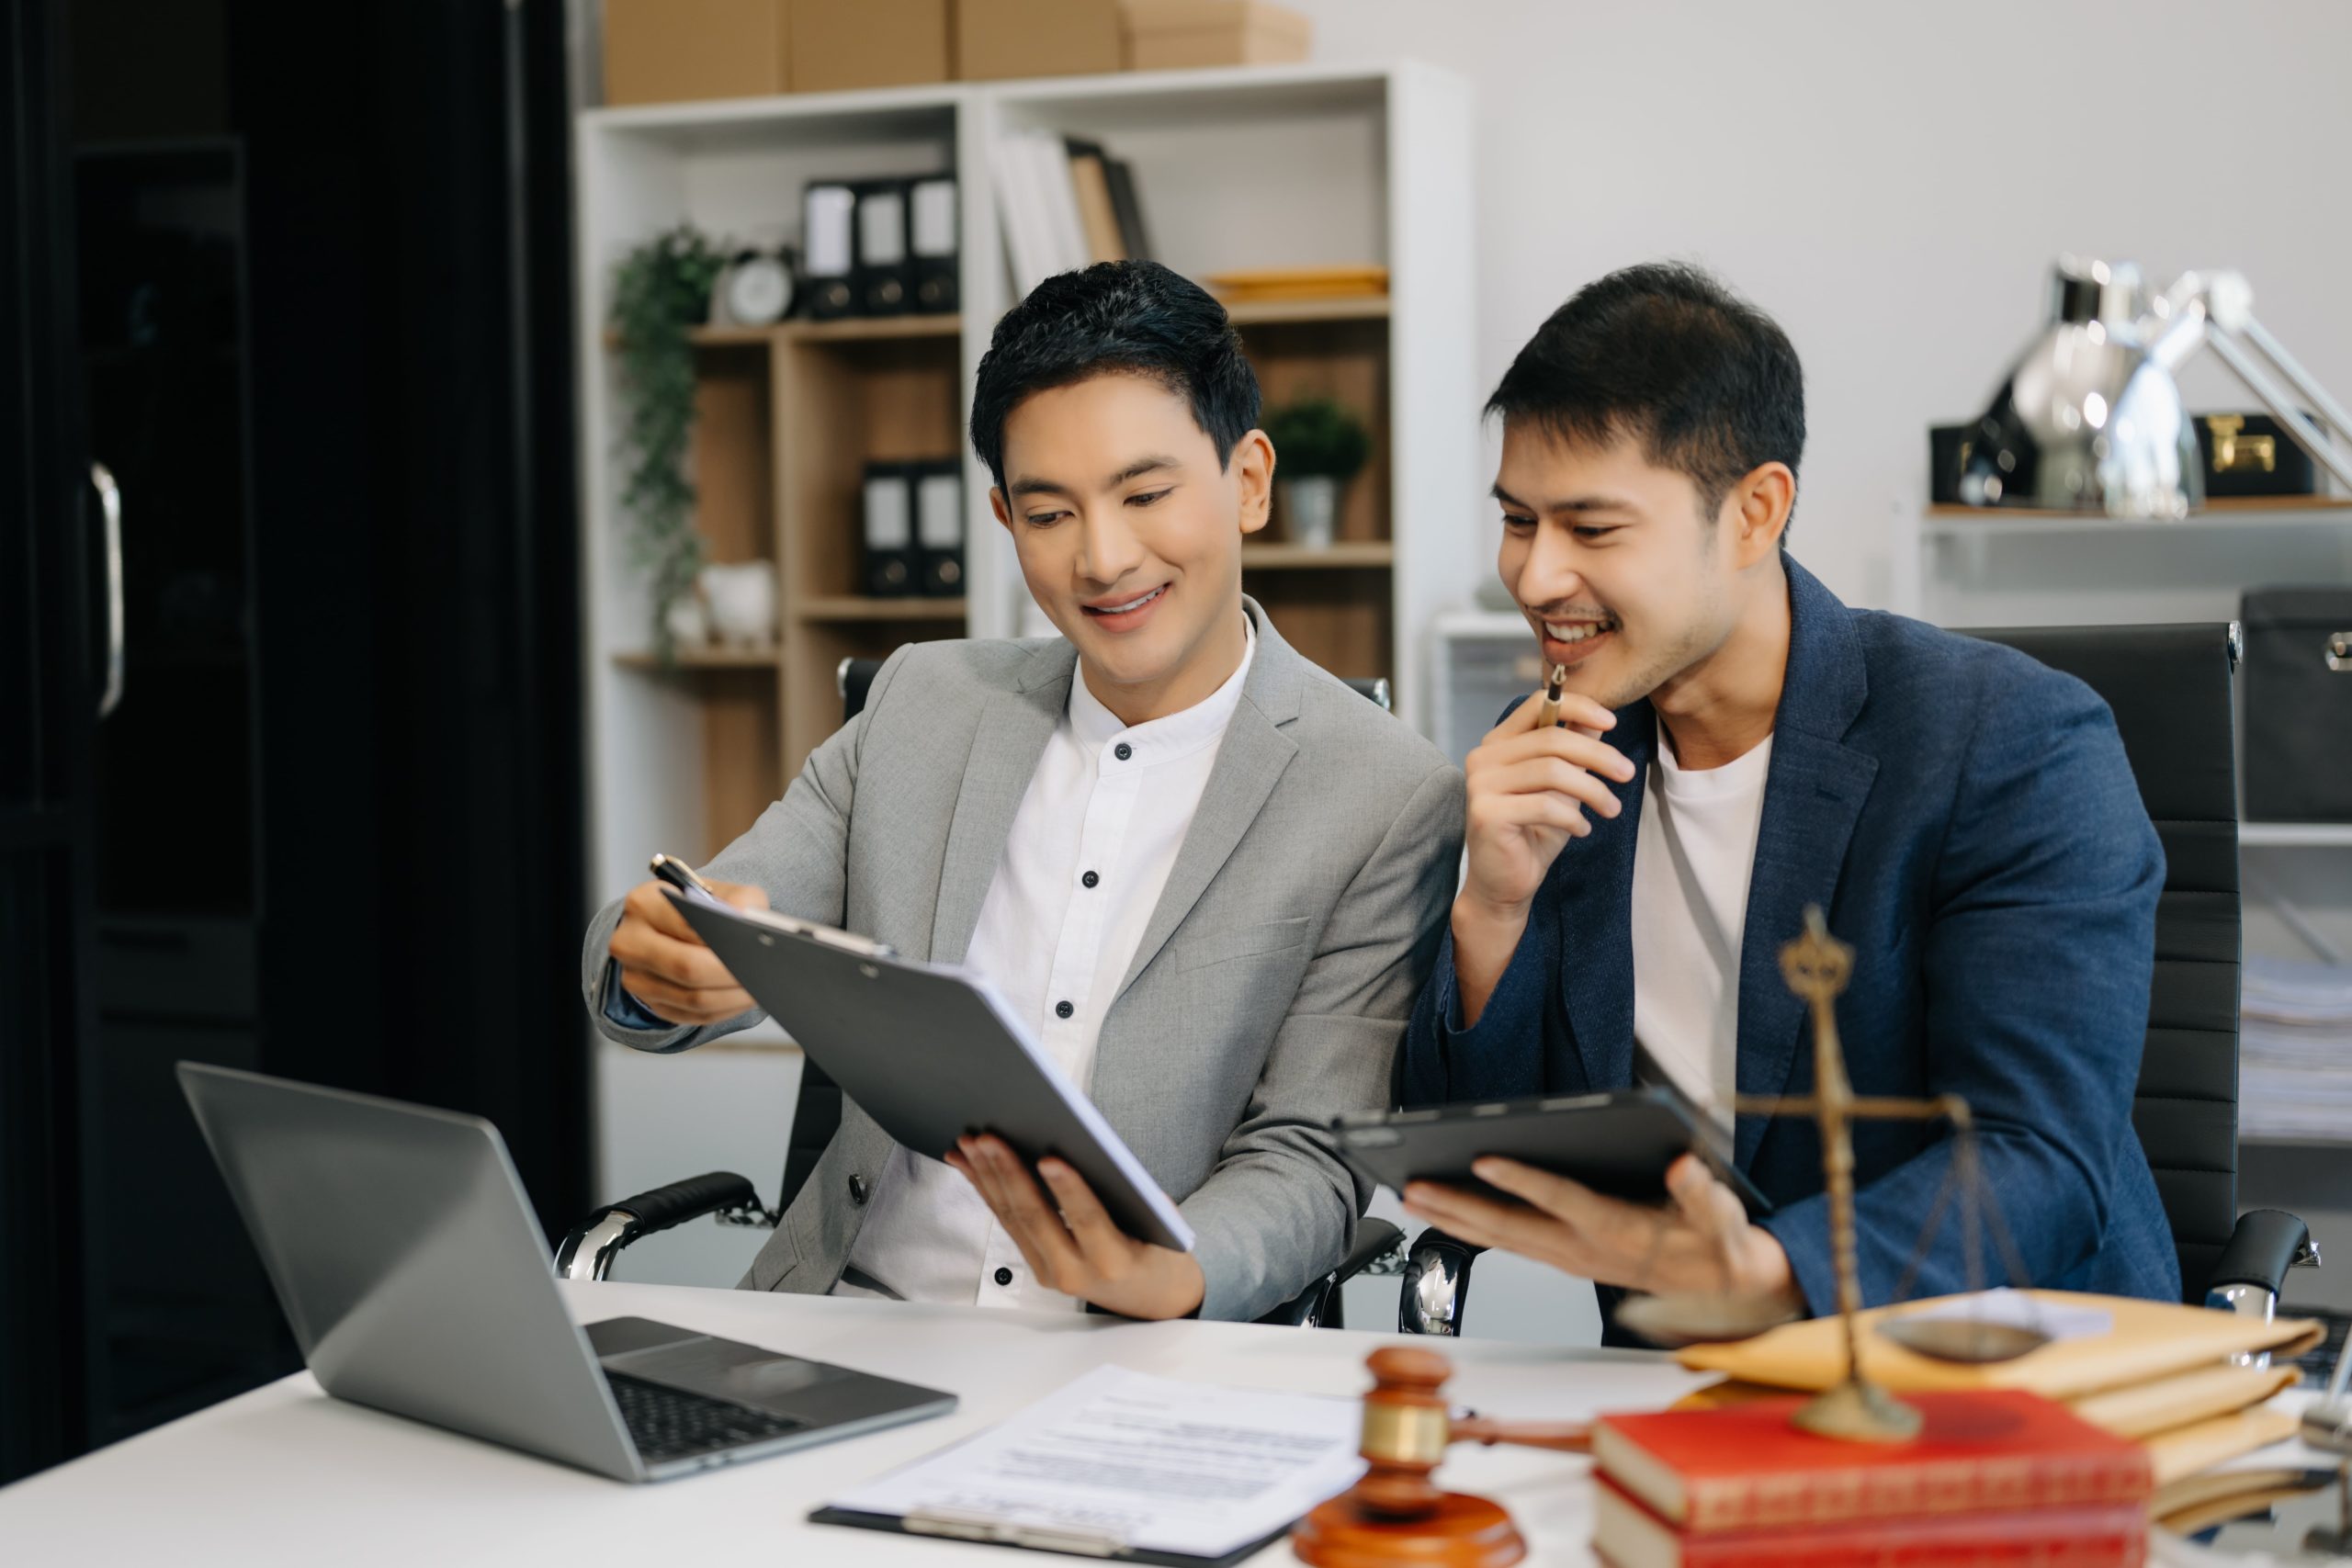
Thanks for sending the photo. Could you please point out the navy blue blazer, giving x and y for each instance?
(1968, 820)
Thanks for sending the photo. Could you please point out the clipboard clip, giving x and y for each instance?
(1039, 1537)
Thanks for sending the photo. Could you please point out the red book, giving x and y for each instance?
(2097, 1535)
(1747, 1468)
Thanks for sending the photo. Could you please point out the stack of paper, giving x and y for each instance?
(2295, 1050)
(1121, 1463)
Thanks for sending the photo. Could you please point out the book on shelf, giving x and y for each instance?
(1276, 285)
(1091, 180)
(1747, 1468)
(1065, 203)
(2095, 1535)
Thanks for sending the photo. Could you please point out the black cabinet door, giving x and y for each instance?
(52, 674)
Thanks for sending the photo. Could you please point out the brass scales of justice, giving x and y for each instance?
(1396, 1515)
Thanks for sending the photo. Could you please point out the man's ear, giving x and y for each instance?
(1253, 470)
(1758, 511)
(997, 505)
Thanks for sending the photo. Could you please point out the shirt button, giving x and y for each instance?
(1004, 1276)
(1090, 879)
(1123, 752)
(857, 1190)
(1063, 1009)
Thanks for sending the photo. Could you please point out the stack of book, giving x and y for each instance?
(2152, 1374)
(1065, 203)
(1994, 1477)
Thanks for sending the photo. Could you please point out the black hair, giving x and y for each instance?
(1131, 317)
(1665, 354)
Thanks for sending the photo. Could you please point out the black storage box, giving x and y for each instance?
(2298, 704)
(2251, 454)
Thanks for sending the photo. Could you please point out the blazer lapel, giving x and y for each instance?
(1813, 796)
(1594, 897)
(1010, 738)
(1249, 762)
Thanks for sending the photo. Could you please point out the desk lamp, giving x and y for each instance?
(2089, 417)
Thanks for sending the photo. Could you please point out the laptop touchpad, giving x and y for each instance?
(722, 1369)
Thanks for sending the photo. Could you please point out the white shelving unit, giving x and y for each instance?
(1240, 169)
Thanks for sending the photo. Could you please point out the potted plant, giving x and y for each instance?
(1319, 445)
(660, 292)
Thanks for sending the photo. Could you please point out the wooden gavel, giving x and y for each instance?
(1395, 1514)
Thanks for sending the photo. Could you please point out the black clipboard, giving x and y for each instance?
(1619, 1143)
(1068, 1543)
(930, 1051)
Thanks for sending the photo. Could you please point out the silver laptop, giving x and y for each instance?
(417, 1281)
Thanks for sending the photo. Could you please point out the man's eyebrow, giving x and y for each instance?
(1028, 484)
(1138, 468)
(1571, 505)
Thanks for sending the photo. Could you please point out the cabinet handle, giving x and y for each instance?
(110, 509)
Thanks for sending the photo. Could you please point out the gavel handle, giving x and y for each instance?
(1565, 1437)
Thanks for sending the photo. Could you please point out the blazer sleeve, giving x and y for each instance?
(2036, 962)
(1281, 1207)
(798, 851)
(1500, 1056)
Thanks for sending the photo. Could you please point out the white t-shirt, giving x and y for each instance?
(1082, 870)
(1691, 863)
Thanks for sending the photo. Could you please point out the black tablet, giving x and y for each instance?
(929, 1051)
(1619, 1143)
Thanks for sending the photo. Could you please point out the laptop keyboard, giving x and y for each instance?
(667, 1423)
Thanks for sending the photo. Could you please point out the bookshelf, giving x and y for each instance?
(1239, 170)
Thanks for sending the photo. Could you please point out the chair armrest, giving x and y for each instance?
(1319, 1305)
(2252, 1266)
(587, 1252)
(1436, 1285)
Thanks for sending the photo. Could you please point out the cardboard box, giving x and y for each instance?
(660, 51)
(1178, 35)
(841, 44)
(999, 38)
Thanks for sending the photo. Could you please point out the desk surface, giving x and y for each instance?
(285, 1474)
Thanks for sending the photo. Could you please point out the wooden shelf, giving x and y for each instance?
(849, 329)
(867, 328)
(1302, 557)
(848, 607)
(1273, 312)
(701, 658)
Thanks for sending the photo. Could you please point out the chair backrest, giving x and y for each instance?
(817, 1112)
(2170, 690)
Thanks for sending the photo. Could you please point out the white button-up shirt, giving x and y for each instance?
(1090, 849)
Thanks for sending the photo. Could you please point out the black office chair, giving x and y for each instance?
(587, 1252)
(2169, 689)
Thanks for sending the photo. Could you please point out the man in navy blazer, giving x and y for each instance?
(1733, 744)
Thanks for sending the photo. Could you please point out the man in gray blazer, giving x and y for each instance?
(1209, 875)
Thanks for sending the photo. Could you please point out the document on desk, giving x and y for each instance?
(1123, 1464)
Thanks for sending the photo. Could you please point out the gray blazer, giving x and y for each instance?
(1272, 984)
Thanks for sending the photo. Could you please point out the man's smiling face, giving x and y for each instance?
(1129, 533)
(1612, 561)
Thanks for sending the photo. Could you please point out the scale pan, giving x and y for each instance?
(1700, 1317)
(1970, 1340)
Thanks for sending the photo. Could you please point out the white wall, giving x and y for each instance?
(1890, 180)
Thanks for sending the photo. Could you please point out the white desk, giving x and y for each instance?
(286, 1474)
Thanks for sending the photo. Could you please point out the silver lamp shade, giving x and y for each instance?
(2089, 418)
